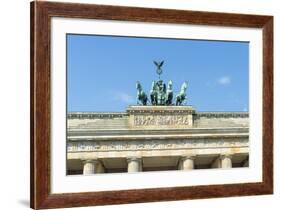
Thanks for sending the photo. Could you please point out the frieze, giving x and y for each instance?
(104, 115)
(222, 115)
(96, 115)
(99, 146)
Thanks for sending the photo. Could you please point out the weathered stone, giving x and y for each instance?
(187, 163)
(134, 164)
(226, 161)
(159, 117)
(169, 134)
(90, 166)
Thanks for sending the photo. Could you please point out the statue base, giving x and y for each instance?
(159, 117)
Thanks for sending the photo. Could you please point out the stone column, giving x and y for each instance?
(226, 161)
(90, 166)
(187, 163)
(134, 164)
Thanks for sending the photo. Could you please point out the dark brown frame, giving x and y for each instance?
(41, 14)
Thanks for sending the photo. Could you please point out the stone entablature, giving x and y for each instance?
(183, 110)
(144, 137)
(96, 115)
(137, 133)
(136, 145)
(222, 114)
(140, 117)
(118, 136)
(112, 115)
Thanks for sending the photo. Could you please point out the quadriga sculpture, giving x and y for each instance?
(160, 94)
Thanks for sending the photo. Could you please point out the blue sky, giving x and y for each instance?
(102, 71)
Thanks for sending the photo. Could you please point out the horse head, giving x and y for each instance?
(170, 85)
(184, 87)
(153, 86)
(138, 85)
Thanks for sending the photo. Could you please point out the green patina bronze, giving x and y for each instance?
(160, 95)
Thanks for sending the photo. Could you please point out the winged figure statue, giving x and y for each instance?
(158, 65)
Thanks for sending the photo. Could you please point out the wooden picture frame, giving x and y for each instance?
(41, 14)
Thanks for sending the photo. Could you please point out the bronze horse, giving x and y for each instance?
(181, 96)
(141, 96)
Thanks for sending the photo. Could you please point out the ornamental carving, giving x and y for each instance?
(131, 145)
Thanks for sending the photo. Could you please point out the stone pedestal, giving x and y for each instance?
(134, 164)
(160, 117)
(186, 163)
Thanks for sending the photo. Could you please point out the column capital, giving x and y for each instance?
(227, 155)
(133, 158)
(185, 157)
(94, 160)
(134, 164)
(90, 166)
(186, 162)
(226, 160)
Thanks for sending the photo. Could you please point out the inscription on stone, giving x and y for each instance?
(149, 120)
(154, 117)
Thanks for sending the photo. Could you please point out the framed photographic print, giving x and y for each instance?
(140, 105)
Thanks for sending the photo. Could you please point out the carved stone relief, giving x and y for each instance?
(154, 144)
